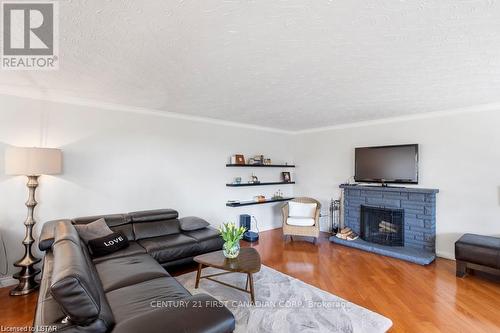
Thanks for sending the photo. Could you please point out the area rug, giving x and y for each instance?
(286, 304)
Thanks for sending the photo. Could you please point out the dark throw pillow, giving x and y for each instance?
(108, 244)
(191, 223)
(93, 230)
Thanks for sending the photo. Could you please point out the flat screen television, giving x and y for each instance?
(387, 164)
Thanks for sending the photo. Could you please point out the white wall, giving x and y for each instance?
(459, 155)
(118, 161)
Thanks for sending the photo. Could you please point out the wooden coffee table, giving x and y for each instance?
(247, 262)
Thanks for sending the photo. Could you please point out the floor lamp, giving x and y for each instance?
(30, 162)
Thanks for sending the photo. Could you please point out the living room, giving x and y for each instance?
(167, 126)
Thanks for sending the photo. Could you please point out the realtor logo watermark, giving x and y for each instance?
(30, 35)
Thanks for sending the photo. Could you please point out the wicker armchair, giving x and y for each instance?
(292, 230)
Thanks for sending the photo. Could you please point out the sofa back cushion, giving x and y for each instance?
(155, 223)
(116, 222)
(153, 215)
(191, 223)
(74, 284)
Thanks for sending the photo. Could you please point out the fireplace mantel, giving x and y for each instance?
(419, 205)
(389, 188)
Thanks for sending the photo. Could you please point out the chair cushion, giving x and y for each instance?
(133, 248)
(299, 209)
(478, 249)
(140, 298)
(300, 221)
(171, 247)
(125, 271)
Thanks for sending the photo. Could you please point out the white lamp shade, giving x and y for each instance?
(33, 161)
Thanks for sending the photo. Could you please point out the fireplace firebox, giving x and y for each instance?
(382, 225)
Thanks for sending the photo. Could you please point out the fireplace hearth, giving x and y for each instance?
(382, 225)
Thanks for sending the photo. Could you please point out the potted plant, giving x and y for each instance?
(231, 235)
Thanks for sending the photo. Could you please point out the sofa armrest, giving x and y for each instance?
(46, 238)
(194, 314)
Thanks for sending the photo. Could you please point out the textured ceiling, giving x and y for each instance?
(285, 64)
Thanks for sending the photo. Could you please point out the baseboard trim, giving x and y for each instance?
(445, 255)
(6, 281)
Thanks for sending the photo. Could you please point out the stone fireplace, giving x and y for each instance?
(394, 221)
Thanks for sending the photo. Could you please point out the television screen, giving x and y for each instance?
(387, 164)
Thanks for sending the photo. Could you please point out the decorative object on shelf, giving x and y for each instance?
(259, 159)
(267, 161)
(231, 236)
(259, 198)
(285, 175)
(277, 195)
(30, 162)
(254, 180)
(239, 159)
(237, 180)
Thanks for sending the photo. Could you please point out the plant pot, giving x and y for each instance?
(231, 250)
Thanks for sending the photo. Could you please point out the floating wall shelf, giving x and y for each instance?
(260, 165)
(258, 184)
(249, 203)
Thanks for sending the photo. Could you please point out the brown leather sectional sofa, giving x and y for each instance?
(129, 290)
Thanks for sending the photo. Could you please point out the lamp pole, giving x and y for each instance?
(26, 276)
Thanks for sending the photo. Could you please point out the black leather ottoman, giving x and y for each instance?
(477, 252)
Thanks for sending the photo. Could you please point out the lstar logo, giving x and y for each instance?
(29, 31)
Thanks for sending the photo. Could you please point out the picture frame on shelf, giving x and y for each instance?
(239, 159)
(285, 176)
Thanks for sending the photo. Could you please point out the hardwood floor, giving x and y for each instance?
(415, 298)
(16, 311)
